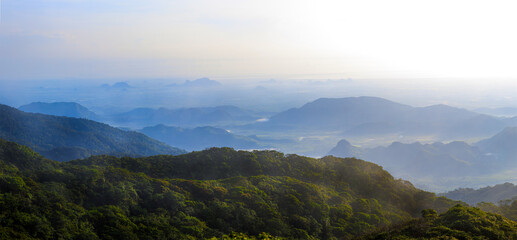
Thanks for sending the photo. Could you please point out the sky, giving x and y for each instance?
(60, 39)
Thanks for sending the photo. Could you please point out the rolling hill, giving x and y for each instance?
(64, 138)
(184, 117)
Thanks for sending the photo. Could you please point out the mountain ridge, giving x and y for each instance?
(53, 135)
(201, 195)
(438, 165)
(369, 116)
(184, 117)
(64, 109)
(200, 138)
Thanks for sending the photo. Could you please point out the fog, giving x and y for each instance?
(258, 94)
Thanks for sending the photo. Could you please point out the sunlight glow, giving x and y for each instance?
(359, 39)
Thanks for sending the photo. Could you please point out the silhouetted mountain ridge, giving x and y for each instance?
(188, 117)
(64, 138)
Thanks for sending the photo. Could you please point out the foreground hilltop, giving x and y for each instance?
(200, 195)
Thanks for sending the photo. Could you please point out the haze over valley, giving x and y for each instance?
(258, 119)
(438, 147)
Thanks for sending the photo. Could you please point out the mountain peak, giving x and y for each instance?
(202, 82)
(340, 113)
(345, 149)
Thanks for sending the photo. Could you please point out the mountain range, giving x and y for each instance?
(199, 138)
(489, 194)
(65, 138)
(372, 116)
(187, 117)
(439, 166)
(337, 113)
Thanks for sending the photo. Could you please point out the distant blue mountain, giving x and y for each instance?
(65, 109)
(189, 117)
(421, 160)
(503, 111)
(338, 113)
(200, 138)
(494, 194)
(371, 116)
(503, 145)
(443, 164)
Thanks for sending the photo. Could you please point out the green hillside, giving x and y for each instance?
(64, 138)
(225, 194)
(459, 222)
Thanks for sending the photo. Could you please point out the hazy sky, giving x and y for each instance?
(264, 39)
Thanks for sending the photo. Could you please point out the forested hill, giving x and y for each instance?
(350, 175)
(459, 222)
(64, 138)
(200, 195)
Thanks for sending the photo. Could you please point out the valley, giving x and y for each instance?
(258, 120)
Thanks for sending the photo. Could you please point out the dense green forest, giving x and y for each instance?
(217, 193)
(459, 222)
(507, 208)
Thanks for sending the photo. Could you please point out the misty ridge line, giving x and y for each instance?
(275, 95)
(360, 118)
(321, 120)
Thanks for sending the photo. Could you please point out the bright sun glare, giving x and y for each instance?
(334, 39)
